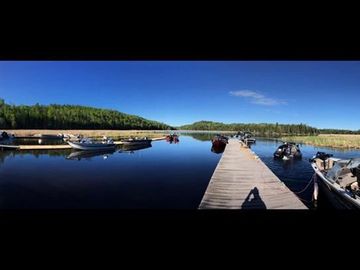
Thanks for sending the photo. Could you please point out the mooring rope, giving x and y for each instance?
(311, 180)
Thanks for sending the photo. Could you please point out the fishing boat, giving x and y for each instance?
(219, 141)
(89, 145)
(287, 151)
(172, 138)
(339, 179)
(248, 138)
(5, 136)
(134, 147)
(218, 149)
(48, 136)
(135, 141)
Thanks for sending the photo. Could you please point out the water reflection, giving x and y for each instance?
(78, 155)
(218, 149)
(200, 136)
(132, 148)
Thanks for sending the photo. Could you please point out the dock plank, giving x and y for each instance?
(242, 181)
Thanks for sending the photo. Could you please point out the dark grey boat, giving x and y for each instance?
(339, 179)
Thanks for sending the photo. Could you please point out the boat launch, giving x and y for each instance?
(287, 151)
(89, 145)
(339, 179)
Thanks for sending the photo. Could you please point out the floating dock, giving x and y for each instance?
(242, 181)
(8, 147)
(52, 147)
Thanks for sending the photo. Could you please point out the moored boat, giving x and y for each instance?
(134, 147)
(339, 179)
(172, 138)
(288, 150)
(219, 141)
(135, 141)
(89, 145)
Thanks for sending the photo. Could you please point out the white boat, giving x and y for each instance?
(89, 145)
(339, 179)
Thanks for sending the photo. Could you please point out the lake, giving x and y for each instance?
(163, 176)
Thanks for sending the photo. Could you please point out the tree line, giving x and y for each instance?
(70, 117)
(264, 129)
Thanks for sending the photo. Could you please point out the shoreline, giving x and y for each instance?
(89, 132)
(336, 141)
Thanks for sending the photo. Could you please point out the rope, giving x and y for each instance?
(311, 180)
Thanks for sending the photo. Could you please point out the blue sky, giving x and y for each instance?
(324, 94)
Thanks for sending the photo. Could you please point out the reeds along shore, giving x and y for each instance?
(328, 140)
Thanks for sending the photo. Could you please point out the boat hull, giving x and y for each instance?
(337, 196)
(91, 146)
(137, 142)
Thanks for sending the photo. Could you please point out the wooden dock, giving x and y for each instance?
(8, 147)
(53, 146)
(242, 181)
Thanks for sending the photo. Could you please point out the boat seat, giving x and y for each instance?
(328, 163)
(346, 179)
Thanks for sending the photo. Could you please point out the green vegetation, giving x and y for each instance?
(273, 130)
(328, 140)
(70, 117)
(338, 131)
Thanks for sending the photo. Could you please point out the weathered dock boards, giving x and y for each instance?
(44, 147)
(242, 181)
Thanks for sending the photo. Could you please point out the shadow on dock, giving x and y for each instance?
(253, 200)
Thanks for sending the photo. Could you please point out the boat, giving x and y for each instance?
(219, 141)
(247, 138)
(78, 155)
(49, 136)
(172, 138)
(134, 141)
(134, 147)
(287, 151)
(218, 149)
(339, 179)
(89, 145)
(5, 136)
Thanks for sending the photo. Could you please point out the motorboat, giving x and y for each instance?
(218, 149)
(134, 147)
(339, 179)
(136, 141)
(89, 145)
(172, 138)
(219, 141)
(5, 135)
(287, 151)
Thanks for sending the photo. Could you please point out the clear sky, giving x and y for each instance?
(324, 94)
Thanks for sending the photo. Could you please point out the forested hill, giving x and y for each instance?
(259, 129)
(70, 117)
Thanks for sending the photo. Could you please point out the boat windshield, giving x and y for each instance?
(353, 163)
(336, 170)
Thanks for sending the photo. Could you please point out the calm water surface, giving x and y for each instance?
(162, 176)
